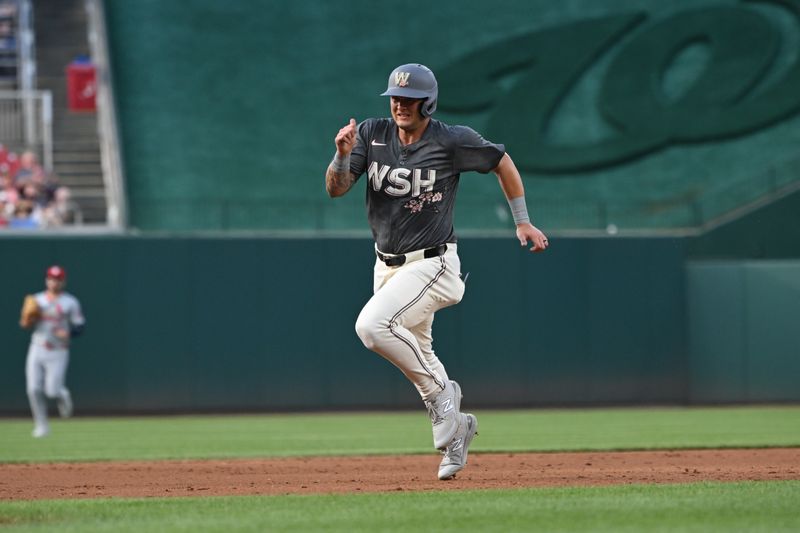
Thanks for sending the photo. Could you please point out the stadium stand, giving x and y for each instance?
(32, 198)
(61, 36)
(8, 44)
(47, 181)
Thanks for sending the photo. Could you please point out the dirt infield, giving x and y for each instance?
(388, 473)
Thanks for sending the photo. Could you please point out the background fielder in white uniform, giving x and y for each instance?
(413, 164)
(48, 355)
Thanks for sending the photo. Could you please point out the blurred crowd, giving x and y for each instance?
(30, 197)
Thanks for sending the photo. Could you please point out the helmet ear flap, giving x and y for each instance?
(428, 106)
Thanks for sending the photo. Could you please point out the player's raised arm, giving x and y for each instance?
(338, 179)
(511, 183)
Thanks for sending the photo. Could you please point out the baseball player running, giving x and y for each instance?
(413, 163)
(55, 317)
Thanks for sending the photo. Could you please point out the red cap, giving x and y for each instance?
(56, 272)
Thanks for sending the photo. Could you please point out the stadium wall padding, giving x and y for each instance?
(744, 340)
(772, 232)
(194, 323)
(246, 323)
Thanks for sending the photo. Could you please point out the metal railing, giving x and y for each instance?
(110, 149)
(26, 70)
(26, 123)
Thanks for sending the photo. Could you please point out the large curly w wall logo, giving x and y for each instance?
(746, 82)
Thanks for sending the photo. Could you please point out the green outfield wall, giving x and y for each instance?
(772, 232)
(744, 339)
(249, 323)
(244, 323)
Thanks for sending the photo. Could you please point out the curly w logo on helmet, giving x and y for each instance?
(401, 78)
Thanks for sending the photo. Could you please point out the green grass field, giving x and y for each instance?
(751, 506)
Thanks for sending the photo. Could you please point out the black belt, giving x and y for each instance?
(402, 259)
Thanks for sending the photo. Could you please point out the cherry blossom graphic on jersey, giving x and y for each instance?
(416, 205)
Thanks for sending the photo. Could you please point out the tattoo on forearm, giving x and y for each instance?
(338, 182)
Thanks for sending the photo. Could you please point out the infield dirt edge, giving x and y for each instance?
(389, 473)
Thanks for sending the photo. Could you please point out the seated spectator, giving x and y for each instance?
(7, 190)
(28, 167)
(10, 163)
(7, 203)
(62, 210)
(3, 212)
(31, 172)
(24, 216)
(36, 194)
(8, 9)
(30, 197)
(47, 183)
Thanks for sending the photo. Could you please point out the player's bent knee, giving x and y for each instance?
(367, 332)
(371, 331)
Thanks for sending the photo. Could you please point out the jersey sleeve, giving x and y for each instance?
(473, 152)
(358, 157)
(76, 317)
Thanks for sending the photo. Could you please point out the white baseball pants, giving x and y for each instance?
(396, 322)
(45, 372)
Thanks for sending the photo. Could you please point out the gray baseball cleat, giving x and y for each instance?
(455, 455)
(444, 410)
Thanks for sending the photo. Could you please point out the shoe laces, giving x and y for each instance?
(433, 413)
(433, 409)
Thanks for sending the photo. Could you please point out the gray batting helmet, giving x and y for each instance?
(414, 81)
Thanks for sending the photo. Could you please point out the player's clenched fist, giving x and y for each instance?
(338, 178)
(346, 138)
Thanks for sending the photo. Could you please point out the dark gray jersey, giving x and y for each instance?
(412, 189)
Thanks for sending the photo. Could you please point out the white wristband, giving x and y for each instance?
(340, 164)
(519, 210)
